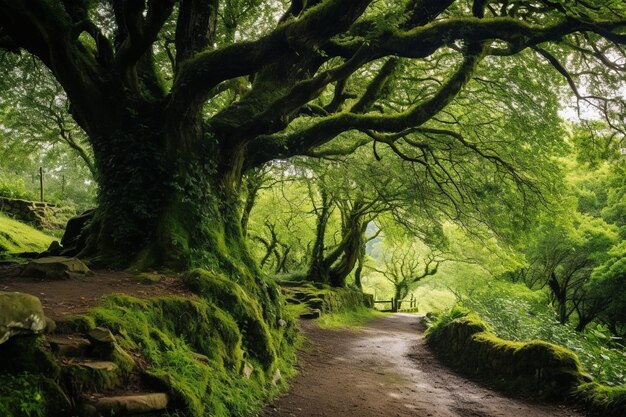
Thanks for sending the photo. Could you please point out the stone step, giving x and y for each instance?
(311, 314)
(125, 405)
(69, 345)
(85, 375)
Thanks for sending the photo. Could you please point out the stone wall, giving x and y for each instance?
(39, 214)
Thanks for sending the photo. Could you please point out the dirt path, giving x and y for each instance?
(386, 370)
(61, 299)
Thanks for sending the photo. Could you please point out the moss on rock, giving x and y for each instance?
(537, 368)
(242, 306)
(602, 400)
(172, 332)
(326, 299)
(28, 353)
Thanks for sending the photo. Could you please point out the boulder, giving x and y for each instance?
(20, 314)
(73, 239)
(55, 268)
(102, 341)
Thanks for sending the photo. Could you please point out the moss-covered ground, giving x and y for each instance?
(16, 237)
(349, 319)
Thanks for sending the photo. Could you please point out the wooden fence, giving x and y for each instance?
(397, 305)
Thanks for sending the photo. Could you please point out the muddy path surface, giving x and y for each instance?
(386, 370)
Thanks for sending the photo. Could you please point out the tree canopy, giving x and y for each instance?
(179, 98)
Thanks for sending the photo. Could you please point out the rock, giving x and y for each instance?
(101, 335)
(69, 345)
(73, 239)
(299, 295)
(92, 375)
(102, 340)
(20, 314)
(200, 357)
(277, 377)
(99, 366)
(311, 314)
(282, 323)
(149, 278)
(51, 325)
(54, 249)
(247, 370)
(131, 404)
(315, 303)
(55, 268)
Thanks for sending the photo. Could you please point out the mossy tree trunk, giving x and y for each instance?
(334, 267)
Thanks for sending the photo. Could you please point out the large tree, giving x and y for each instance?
(179, 98)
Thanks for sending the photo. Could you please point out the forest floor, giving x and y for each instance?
(64, 298)
(385, 369)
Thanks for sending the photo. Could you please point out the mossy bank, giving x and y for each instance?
(534, 368)
(220, 353)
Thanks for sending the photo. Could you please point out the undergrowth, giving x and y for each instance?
(517, 313)
(31, 404)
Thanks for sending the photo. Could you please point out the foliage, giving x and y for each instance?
(32, 402)
(14, 186)
(464, 99)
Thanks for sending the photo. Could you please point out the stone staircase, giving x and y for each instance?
(102, 380)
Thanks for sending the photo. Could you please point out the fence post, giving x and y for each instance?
(41, 184)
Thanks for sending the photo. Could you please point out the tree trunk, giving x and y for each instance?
(353, 242)
(317, 271)
(162, 200)
(400, 292)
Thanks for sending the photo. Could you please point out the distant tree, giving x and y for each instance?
(563, 256)
(608, 284)
(407, 263)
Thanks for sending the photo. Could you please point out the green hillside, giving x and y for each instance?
(18, 237)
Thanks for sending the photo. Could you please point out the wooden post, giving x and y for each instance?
(41, 184)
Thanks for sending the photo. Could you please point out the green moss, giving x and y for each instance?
(538, 368)
(305, 294)
(242, 306)
(149, 278)
(170, 331)
(81, 378)
(16, 237)
(349, 319)
(603, 400)
(28, 353)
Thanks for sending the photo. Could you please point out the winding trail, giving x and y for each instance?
(386, 370)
